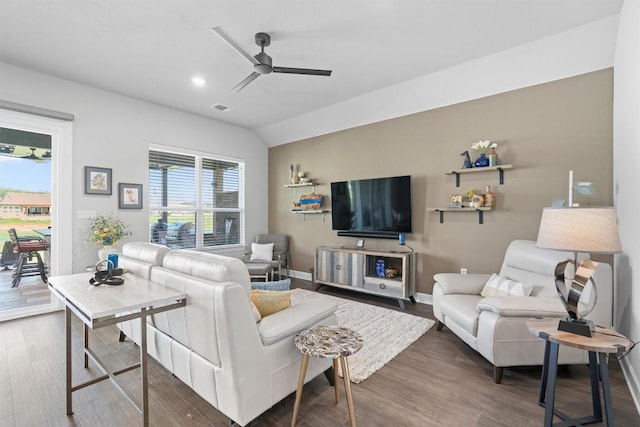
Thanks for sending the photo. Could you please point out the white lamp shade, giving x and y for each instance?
(590, 229)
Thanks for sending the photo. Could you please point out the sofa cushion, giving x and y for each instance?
(461, 309)
(207, 266)
(150, 253)
(277, 285)
(523, 306)
(269, 302)
(256, 313)
(502, 286)
(261, 252)
(288, 323)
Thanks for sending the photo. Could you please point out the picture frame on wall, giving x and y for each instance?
(129, 196)
(97, 180)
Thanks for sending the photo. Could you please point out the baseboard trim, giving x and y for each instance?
(420, 297)
(632, 382)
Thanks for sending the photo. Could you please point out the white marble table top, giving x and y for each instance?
(95, 302)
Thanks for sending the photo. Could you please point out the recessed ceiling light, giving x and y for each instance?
(198, 81)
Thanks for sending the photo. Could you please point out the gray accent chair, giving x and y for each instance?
(280, 259)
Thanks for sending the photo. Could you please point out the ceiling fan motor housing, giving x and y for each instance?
(264, 66)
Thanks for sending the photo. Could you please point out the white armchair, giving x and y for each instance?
(496, 326)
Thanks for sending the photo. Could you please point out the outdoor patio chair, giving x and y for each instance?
(27, 248)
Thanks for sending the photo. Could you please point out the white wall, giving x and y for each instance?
(581, 50)
(114, 131)
(626, 156)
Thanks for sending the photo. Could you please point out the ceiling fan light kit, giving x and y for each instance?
(262, 63)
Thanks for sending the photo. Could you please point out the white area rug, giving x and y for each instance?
(385, 332)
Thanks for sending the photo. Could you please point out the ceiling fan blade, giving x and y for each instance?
(234, 44)
(308, 71)
(251, 77)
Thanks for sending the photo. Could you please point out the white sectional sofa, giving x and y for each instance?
(496, 326)
(214, 344)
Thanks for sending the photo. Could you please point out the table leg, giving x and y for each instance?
(336, 379)
(604, 377)
(347, 390)
(545, 369)
(85, 343)
(303, 373)
(67, 334)
(595, 386)
(143, 367)
(550, 395)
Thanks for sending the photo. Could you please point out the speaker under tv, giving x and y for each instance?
(376, 207)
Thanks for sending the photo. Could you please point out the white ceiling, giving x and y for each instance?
(150, 49)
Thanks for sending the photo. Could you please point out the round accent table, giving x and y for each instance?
(604, 341)
(328, 342)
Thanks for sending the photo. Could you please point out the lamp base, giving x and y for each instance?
(583, 327)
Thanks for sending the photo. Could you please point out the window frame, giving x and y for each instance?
(198, 208)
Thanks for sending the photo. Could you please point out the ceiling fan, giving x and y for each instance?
(262, 63)
(45, 156)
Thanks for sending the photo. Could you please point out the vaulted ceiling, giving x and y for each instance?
(151, 49)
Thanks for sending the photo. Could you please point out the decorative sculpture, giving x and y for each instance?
(467, 160)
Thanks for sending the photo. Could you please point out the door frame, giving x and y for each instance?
(61, 132)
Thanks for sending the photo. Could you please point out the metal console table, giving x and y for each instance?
(99, 306)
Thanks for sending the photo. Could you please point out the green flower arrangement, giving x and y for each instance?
(107, 230)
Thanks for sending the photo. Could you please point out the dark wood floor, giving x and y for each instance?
(437, 381)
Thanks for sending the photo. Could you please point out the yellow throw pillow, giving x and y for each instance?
(269, 302)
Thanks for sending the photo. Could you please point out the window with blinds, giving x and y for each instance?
(195, 201)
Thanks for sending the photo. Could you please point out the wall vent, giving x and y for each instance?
(221, 107)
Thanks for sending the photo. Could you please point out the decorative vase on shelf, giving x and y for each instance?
(482, 161)
(106, 250)
(293, 176)
(493, 157)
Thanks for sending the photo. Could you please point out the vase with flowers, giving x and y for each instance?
(483, 147)
(107, 230)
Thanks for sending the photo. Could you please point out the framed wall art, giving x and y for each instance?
(129, 196)
(97, 180)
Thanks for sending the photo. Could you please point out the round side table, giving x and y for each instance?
(328, 342)
(603, 342)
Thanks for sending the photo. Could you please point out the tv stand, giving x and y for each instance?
(355, 269)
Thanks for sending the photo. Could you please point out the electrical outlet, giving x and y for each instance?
(463, 271)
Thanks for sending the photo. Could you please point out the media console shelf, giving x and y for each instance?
(499, 168)
(355, 269)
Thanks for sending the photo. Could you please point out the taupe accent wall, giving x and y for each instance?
(543, 131)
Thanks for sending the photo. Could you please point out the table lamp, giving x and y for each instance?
(591, 230)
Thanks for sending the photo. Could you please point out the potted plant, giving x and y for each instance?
(107, 230)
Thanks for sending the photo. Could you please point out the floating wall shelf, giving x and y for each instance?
(308, 184)
(499, 168)
(480, 211)
(311, 212)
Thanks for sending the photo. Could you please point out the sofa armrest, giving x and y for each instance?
(468, 284)
(516, 306)
(288, 323)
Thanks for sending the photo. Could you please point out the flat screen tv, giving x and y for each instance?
(378, 207)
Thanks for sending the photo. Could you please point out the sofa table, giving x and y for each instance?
(603, 342)
(328, 342)
(104, 305)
